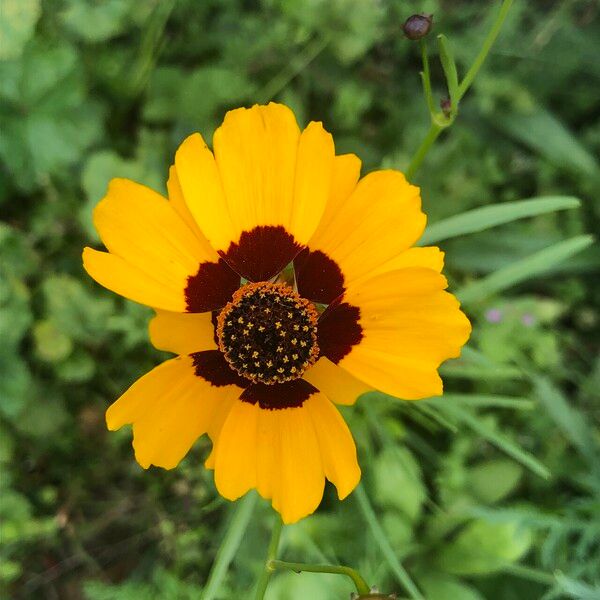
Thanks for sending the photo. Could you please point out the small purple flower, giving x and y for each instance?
(528, 320)
(494, 315)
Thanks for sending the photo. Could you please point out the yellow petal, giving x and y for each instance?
(428, 257)
(169, 407)
(274, 451)
(265, 173)
(346, 173)
(140, 227)
(380, 219)
(313, 179)
(201, 186)
(182, 333)
(235, 451)
(178, 202)
(121, 277)
(337, 448)
(337, 384)
(256, 151)
(299, 489)
(409, 325)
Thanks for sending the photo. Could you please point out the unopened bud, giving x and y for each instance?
(417, 26)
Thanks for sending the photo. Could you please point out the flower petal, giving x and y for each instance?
(279, 449)
(169, 407)
(267, 187)
(121, 277)
(338, 451)
(336, 383)
(156, 258)
(380, 219)
(182, 333)
(409, 325)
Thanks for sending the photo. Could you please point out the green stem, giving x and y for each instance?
(465, 84)
(423, 149)
(263, 581)
(360, 584)
(439, 121)
(229, 545)
(426, 77)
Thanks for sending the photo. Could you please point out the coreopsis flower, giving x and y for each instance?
(285, 285)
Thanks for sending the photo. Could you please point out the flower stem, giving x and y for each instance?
(360, 584)
(439, 121)
(263, 581)
(423, 149)
(465, 84)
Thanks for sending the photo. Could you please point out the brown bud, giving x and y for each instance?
(417, 26)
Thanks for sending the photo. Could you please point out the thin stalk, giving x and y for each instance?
(263, 581)
(465, 84)
(423, 149)
(229, 545)
(360, 584)
(439, 122)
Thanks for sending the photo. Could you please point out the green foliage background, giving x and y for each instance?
(490, 492)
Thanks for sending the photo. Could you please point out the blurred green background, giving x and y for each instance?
(491, 492)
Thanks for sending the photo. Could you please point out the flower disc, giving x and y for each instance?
(268, 333)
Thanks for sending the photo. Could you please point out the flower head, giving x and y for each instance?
(285, 285)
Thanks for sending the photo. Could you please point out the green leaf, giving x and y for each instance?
(398, 483)
(480, 219)
(51, 344)
(543, 133)
(449, 66)
(96, 21)
(524, 269)
(493, 480)
(17, 23)
(482, 547)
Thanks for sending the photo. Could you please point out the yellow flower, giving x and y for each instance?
(265, 353)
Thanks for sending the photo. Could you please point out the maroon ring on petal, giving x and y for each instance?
(212, 366)
(338, 330)
(291, 394)
(262, 252)
(319, 278)
(211, 287)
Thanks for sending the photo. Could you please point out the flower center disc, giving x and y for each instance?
(268, 333)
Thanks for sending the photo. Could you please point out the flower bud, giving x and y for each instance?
(417, 26)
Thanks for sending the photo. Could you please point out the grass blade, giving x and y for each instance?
(229, 545)
(493, 437)
(486, 217)
(569, 420)
(384, 545)
(483, 401)
(523, 269)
